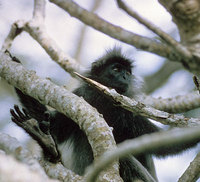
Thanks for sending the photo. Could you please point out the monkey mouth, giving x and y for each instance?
(121, 89)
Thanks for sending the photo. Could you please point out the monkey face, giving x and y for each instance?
(116, 76)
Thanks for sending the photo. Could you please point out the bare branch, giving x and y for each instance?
(58, 171)
(11, 146)
(15, 30)
(116, 32)
(11, 170)
(40, 35)
(177, 104)
(145, 143)
(192, 173)
(39, 10)
(99, 134)
(183, 51)
(138, 107)
(159, 78)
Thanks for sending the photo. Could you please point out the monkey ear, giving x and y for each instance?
(96, 67)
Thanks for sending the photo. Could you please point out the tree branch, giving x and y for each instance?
(138, 107)
(145, 143)
(177, 104)
(11, 146)
(183, 51)
(11, 170)
(99, 134)
(116, 32)
(39, 10)
(192, 173)
(159, 78)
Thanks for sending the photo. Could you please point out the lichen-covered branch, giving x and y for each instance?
(12, 147)
(36, 29)
(58, 171)
(98, 132)
(138, 107)
(15, 30)
(12, 170)
(145, 143)
(177, 104)
(186, 16)
(192, 173)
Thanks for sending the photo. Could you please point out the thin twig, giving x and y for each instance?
(15, 30)
(39, 10)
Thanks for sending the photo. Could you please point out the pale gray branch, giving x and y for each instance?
(159, 78)
(39, 10)
(11, 146)
(15, 30)
(138, 107)
(177, 104)
(58, 171)
(12, 170)
(145, 143)
(98, 132)
(183, 51)
(116, 32)
(192, 173)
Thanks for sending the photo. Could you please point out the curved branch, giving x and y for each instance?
(11, 146)
(139, 108)
(145, 143)
(183, 51)
(11, 170)
(157, 79)
(116, 32)
(178, 104)
(15, 30)
(99, 134)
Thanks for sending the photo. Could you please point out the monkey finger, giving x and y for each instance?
(26, 113)
(21, 115)
(15, 118)
(12, 112)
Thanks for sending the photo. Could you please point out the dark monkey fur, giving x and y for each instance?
(113, 70)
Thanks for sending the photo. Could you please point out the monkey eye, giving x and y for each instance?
(116, 69)
(128, 72)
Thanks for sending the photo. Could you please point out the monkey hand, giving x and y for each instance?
(39, 131)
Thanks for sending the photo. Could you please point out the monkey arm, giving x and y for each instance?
(38, 131)
(33, 107)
